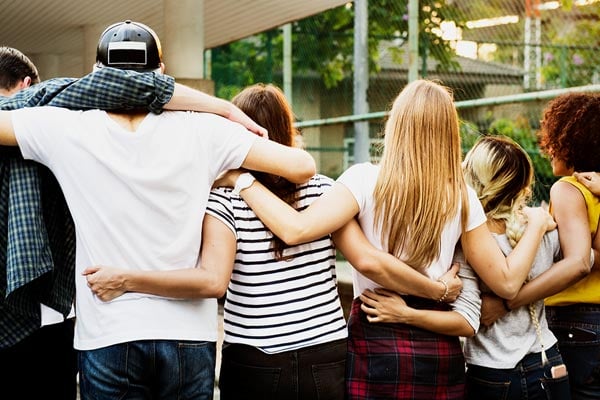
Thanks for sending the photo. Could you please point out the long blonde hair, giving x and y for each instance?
(420, 182)
(501, 173)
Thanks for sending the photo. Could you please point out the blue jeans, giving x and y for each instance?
(528, 380)
(148, 369)
(577, 328)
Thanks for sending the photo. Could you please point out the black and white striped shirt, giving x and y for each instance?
(279, 305)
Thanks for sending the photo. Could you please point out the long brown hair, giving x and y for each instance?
(420, 182)
(267, 106)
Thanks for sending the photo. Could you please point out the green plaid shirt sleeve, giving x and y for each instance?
(37, 236)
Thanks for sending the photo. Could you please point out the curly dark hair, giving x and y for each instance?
(569, 130)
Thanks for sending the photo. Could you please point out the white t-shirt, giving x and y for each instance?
(137, 200)
(360, 179)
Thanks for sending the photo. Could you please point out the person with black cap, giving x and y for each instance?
(137, 186)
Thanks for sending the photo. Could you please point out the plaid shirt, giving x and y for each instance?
(37, 236)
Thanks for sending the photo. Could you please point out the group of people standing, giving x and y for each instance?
(156, 246)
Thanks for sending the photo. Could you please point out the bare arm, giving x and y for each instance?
(570, 211)
(186, 98)
(208, 279)
(596, 250)
(327, 214)
(591, 180)
(505, 275)
(387, 270)
(387, 306)
(296, 165)
(7, 131)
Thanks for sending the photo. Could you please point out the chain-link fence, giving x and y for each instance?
(482, 49)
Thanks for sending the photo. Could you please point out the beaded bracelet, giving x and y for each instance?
(446, 289)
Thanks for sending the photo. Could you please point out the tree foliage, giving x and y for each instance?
(323, 45)
(571, 57)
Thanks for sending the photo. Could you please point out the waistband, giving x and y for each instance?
(251, 352)
(574, 307)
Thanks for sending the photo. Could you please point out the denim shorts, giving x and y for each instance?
(148, 369)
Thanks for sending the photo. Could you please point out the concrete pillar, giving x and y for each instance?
(48, 65)
(183, 38)
(91, 35)
(183, 42)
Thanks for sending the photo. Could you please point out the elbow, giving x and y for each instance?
(365, 264)
(292, 237)
(213, 287)
(509, 291)
(304, 170)
(220, 291)
(220, 285)
(582, 269)
(468, 332)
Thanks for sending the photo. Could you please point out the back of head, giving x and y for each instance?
(569, 130)
(14, 67)
(501, 173)
(129, 45)
(268, 107)
(420, 179)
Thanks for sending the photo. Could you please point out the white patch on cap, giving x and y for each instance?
(127, 52)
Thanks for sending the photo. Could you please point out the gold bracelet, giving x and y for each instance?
(441, 299)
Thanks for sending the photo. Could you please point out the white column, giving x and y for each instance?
(91, 35)
(361, 81)
(47, 64)
(287, 62)
(183, 38)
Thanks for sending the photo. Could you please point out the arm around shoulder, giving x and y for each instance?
(295, 165)
(7, 131)
(384, 268)
(505, 275)
(187, 99)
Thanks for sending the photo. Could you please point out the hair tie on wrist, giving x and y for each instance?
(441, 299)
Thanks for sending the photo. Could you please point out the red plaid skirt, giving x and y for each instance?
(398, 361)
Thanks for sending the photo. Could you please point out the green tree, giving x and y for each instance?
(572, 57)
(323, 44)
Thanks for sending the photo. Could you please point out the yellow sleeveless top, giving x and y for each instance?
(586, 290)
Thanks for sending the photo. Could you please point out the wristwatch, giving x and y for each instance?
(244, 181)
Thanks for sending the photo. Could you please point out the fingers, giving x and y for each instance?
(367, 297)
(259, 130)
(454, 268)
(586, 178)
(90, 270)
(371, 313)
(384, 292)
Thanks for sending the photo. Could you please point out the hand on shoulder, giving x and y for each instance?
(590, 180)
(539, 216)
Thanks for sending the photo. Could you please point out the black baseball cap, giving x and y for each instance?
(129, 45)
